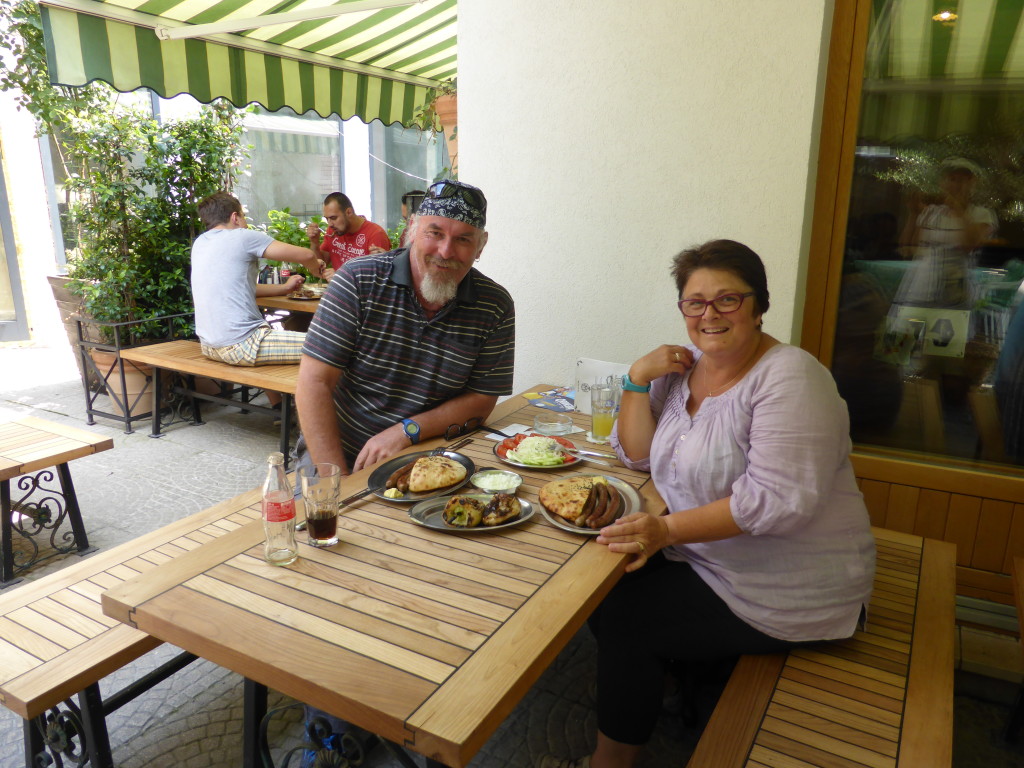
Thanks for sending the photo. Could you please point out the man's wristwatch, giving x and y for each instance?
(629, 386)
(412, 430)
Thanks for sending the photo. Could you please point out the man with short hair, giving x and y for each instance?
(225, 262)
(410, 204)
(407, 343)
(349, 235)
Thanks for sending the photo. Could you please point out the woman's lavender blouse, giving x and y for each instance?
(777, 444)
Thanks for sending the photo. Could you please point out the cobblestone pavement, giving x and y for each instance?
(194, 719)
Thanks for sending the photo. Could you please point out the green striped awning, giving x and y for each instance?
(928, 78)
(371, 64)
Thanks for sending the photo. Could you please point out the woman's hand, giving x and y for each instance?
(668, 358)
(638, 534)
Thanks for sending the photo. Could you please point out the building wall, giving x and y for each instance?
(609, 137)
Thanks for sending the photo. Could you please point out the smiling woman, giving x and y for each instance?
(767, 543)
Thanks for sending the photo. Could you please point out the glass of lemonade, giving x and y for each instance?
(604, 407)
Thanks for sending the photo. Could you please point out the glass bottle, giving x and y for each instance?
(278, 514)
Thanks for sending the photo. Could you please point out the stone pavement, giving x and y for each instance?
(193, 720)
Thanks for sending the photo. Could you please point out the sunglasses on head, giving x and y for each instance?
(471, 195)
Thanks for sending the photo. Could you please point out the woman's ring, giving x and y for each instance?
(643, 548)
(677, 356)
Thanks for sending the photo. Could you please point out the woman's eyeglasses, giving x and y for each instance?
(447, 188)
(724, 304)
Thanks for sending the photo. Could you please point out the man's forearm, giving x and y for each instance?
(458, 410)
(315, 403)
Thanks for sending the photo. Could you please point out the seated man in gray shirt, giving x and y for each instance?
(225, 262)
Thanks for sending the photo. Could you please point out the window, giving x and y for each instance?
(929, 342)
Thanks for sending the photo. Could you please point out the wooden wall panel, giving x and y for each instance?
(993, 532)
(876, 499)
(962, 525)
(1015, 539)
(901, 511)
(932, 512)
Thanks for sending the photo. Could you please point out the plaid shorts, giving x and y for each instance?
(264, 346)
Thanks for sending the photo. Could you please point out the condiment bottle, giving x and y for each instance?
(278, 514)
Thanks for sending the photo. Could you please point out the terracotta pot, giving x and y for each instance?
(136, 378)
(446, 107)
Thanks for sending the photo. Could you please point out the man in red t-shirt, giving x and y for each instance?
(348, 235)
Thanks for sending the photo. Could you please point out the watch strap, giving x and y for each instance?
(629, 386)
(412, 430)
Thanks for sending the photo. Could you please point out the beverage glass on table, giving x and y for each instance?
(604, 407)
(552, 423)
(321, 486)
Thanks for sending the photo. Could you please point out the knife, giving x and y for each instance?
(583, 452)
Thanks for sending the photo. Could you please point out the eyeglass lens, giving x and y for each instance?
(444, 189)
(724, 304)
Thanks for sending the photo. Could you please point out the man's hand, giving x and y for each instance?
(313, 232)
(374, 249)
(294, 283)
(381, 446)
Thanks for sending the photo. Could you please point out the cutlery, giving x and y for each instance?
(592, 453)
(439, 451)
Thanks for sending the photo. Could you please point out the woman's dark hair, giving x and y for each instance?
(726, 255)
(217, 209)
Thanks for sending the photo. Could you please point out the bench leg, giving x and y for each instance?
(158, 388)
(197, 417)
(254, 701)
(71, 505)
(72, 736)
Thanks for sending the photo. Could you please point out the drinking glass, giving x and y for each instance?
(604, 407)
(321, 486)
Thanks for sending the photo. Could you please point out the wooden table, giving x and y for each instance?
(31, 445)
(292, 305)
(426, 638)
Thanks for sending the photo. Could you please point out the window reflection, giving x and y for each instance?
(929, 348)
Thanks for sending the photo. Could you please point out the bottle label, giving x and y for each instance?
(278, 511)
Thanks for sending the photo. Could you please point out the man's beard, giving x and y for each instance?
(436, 291)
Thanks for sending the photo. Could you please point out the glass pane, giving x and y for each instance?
(929, 347)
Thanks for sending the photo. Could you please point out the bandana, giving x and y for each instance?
(456, 207)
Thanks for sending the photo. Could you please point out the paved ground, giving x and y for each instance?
(194, 719)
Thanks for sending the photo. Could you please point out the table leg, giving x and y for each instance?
(7, 571)
(94, 724)
(286, 427)
(254, 700)
(157, 404)
(71, 505)
(35, 746)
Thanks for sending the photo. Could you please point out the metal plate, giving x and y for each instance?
(428, 514)
(302, 298)
(574, 460)
(631, 502)
(380, 475)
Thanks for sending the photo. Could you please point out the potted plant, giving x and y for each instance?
(440, 112)
(132, 187)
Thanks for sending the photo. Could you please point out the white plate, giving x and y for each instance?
(380, 475)
(428, 514)
(631, 502)
(576, 459)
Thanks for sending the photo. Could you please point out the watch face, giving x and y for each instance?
(412, 428)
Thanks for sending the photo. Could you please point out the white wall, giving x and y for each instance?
(609, 136)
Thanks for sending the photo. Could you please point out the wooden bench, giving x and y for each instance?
(882, 698)
(186, 358)
(55, 641)
(28, 446)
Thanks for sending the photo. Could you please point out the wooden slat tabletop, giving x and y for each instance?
(425, 637)
(54, 639)
(187, 357)
(30, 444)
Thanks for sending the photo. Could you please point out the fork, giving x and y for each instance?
(440, 450)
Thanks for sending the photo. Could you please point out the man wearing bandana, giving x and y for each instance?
(407, 343)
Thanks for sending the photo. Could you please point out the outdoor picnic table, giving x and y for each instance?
(425, 637)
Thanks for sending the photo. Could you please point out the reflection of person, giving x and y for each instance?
(407, 343)
(225, 260)
(1009, 387)
(767, 544)
(945, 233)
(349, 235)
(410, 203)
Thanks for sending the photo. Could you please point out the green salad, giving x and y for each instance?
(538, 451)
